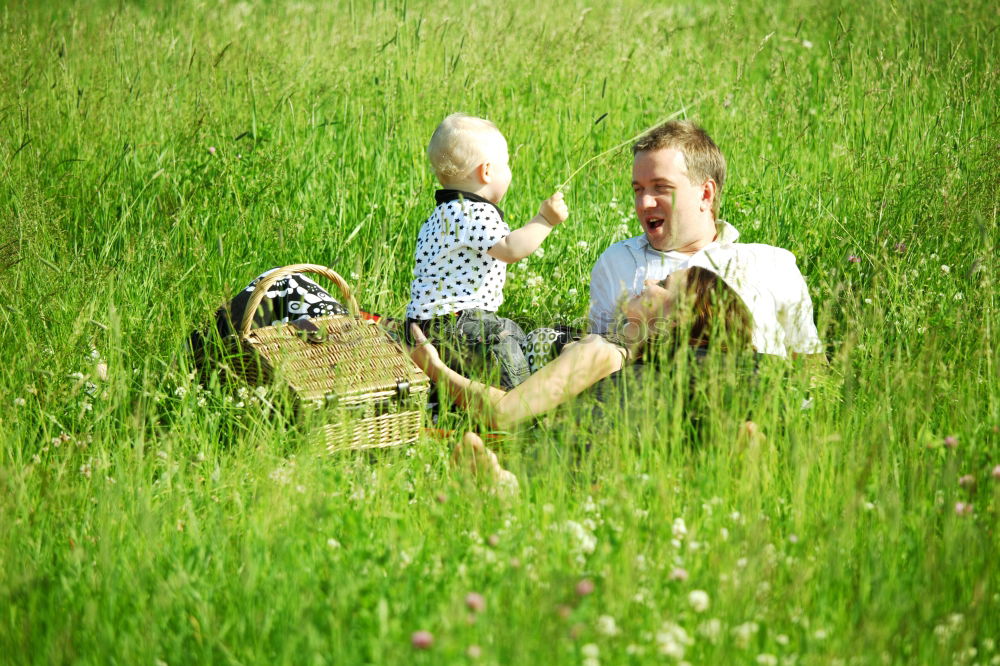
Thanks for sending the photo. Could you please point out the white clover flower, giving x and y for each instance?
(945, 268)
(958, 296)
(807, 44)
(698, 600)
(540, 252)
(606, 626)
(20, 402)
(583, 245)
(767, 660)
(711, 629)
(680, 530)
(743, 633)
(591, 651)
(85, 470)
(584, 541)
(333, 543)
(673, 640)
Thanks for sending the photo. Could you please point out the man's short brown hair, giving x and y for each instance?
(703, 158)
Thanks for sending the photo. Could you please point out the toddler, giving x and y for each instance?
(464, 247)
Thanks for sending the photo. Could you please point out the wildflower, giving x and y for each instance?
(211, 150)
(473, 652)
(622, 230)
(85, 470)
(679, 528)
(590, 650)
(475, 602)
(807, 44)
(606, 626)
(333, 543)
(820, 634)
(698, 600)
(584, 541)
(672, 640)
(967, 481)
(958, 296)
(781, 639)
(583, 245)
(585, 587)
(20, 402)
(951, 441)
(900, 247)
(744, 632)
(945, 268)
(963, 508)
(493, 540)
(422, 640)
(767, 660)
(711, 629)
(540, 252)
(853, 259)
(996, 473)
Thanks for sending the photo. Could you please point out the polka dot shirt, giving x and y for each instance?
(452, 271)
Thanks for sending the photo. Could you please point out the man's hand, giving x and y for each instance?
(423, 353)
(554, 210)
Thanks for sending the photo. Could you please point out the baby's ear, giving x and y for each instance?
(484, 173)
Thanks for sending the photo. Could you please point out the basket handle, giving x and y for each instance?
(278, 274)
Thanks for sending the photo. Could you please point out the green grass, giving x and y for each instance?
(171, 525)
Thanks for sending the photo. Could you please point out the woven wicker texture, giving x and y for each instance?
(371, 393)
(353, 360)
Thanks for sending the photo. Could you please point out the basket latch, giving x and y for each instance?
(402, 388)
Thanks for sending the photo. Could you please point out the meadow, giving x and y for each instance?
(156, 156)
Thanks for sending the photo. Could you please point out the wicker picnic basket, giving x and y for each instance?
(371, 393)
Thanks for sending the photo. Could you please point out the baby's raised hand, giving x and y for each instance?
(554, 210)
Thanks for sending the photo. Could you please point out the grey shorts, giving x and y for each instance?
(480, 345)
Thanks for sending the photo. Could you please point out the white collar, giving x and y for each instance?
(727, 234)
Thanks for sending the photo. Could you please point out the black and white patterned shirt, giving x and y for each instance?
(452, 271)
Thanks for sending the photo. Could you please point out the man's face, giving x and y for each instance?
(671, 209)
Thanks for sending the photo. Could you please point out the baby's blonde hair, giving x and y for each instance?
(459, 144)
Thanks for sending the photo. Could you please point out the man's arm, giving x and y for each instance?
(795, 313)
(606, 289)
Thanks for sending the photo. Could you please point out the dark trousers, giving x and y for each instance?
(478, 344)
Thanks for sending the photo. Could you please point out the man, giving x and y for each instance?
(677, 176)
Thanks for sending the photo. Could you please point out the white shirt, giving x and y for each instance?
(765, 277)
(622, 270)
(452, 270)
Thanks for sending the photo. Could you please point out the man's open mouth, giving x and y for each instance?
(654, 223)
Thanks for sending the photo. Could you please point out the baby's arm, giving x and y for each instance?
(522, 242)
